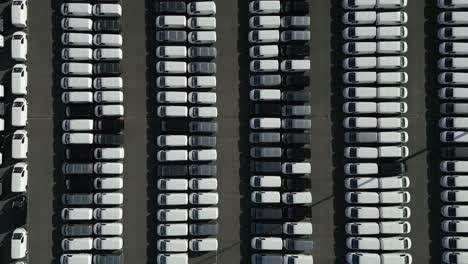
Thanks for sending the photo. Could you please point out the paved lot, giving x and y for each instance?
(140, 133)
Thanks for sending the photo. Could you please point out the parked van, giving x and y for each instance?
(454, 108)
(358, 33)
(264, 36)
(359, 77)
(77, 97)
(392, 62)
(392, 32)
(77, 24)
(76, 83)
(108, 83)
(19, 46)
(359, 48)
(108, 229)
(453, 33)
(392, 77)
(77, 214)
(392, 47)
(359, 17)
(109, 110)
(453, 78)
(76, 9)
(77, 125)
(19, 144)
(77, 244)
(453, 48)
(295, 65)
(77, 39)
(171, 21)
(203, 244)
(107, 10)
(19, 79)
(451, 63)
(108, 97)
(171, 67)
(171, 52)
(109, 40)
(80, 258)
(19, 13)
(77, 138)
(77, 54)
(171, 82)
(19, 178)
(77, 68)
(203, 213)
(172, 111)
(19, 112)
(114, 213)
(174, 258)
(265, 22)
(202, 82)
(392, 18)
(107, 54)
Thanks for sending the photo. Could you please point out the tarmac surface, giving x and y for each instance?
(45, 183)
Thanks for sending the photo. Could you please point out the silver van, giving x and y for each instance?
(77, 39)
(107, 54)
(109, 110)
(108, 97)
(77, 68)
(77, 24)
(77, 97)
(19, 46)
(453, 48)
(109, 40)
(19, 79)
(107, 10)
(171, 52)
(77, 54)
(171, 82)
(76, 9)
(77, 125)
(76, 83)
(108, 83)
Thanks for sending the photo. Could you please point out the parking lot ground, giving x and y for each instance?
(41, 218)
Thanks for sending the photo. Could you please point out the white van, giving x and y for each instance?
(352, 63)
(201, 23)
(108, 97)
(204, 198)
(265, 22)
(76, 83)
(171, 67)
(172, 215)
(202, 82)
(453, 93)
(108, 83)
(19, 243)
(19, 112)
(77, 39)
(77, 214)
(109, 40)
(174, 258)
(359, 48)
(172, 245)
(203, 184)
(169, 199)
(171, 82)
(203, 112)
(76, 9)
(113, 198)
(203, 244)
(77, 243)
(392, 18)
(453, 48)
(108, 183)
(264, 65)
(114, 213)
(172, 140)
(295, 65)
(264, 36)
(359, 17)
(203, 213)
(81, 258)
(77, 125)
(453, 33)
(107, 54)
(19, 144)
(171, 97)
(392, 62)
(77, 97)
(108, 243)
(398, 32)
(19, 46)
(453, 78)
(359, 77)
(357, 33)
(19, 13)
(392, 77)
(77, 138)
(77, 24)
(108, 229)
(77, 54)
(19, 177)
(452, 63)
(107, 10)
(167, 184)
(109, 110)
(392, 47)
(171, 52)
(77, 68)
(172, 155)
(109, 153)
(172, 229)
(172, 111)
(171, 21)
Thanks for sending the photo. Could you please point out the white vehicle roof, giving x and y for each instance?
(173, 184)
(203, 244)
(80, 258)
(297, 228)
(110, 229)
(394, 212)
(360, 17)
(362, 197)
(19, 113)
(360, 48)
(458, 226)
(392, 32)
(356, 183)
(108, 183)
(395, 243)
(396, 258)
(113, 198)
(108, 83)
(361, 152)
(203, 213)
(391, 47)
(267, 243)
(19, 46)
(172, 97)
(172, 229)
(171, 51)
(362, 212)
(203, 184)
(394, 197)
(202, 81)
(362, 228)
(19, 177)
(264, 51)
(77, 243)
(19, 13)
(173, 258)
(392, 18)
(265, 21)
(203, 198)
(108, 243)
(109, 153)
(265, 94)
(363, 243)
(296, 197)
(78, 125)
(172, 81)
(395, 227)
(202, 97)
(265, 197)
(19, 243)
(172, 199)
(453, 93)
(172, 140)
(201, 8)
(361, 168)
(108, 213)
(264, 7)
(77, 213)
(19, 144)
(19, 79)
(203, 111)
(172, 215)
(454, 181)
(363, 257)
(171, 21)
(265, 181)
(172, 245)
(393, 151)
